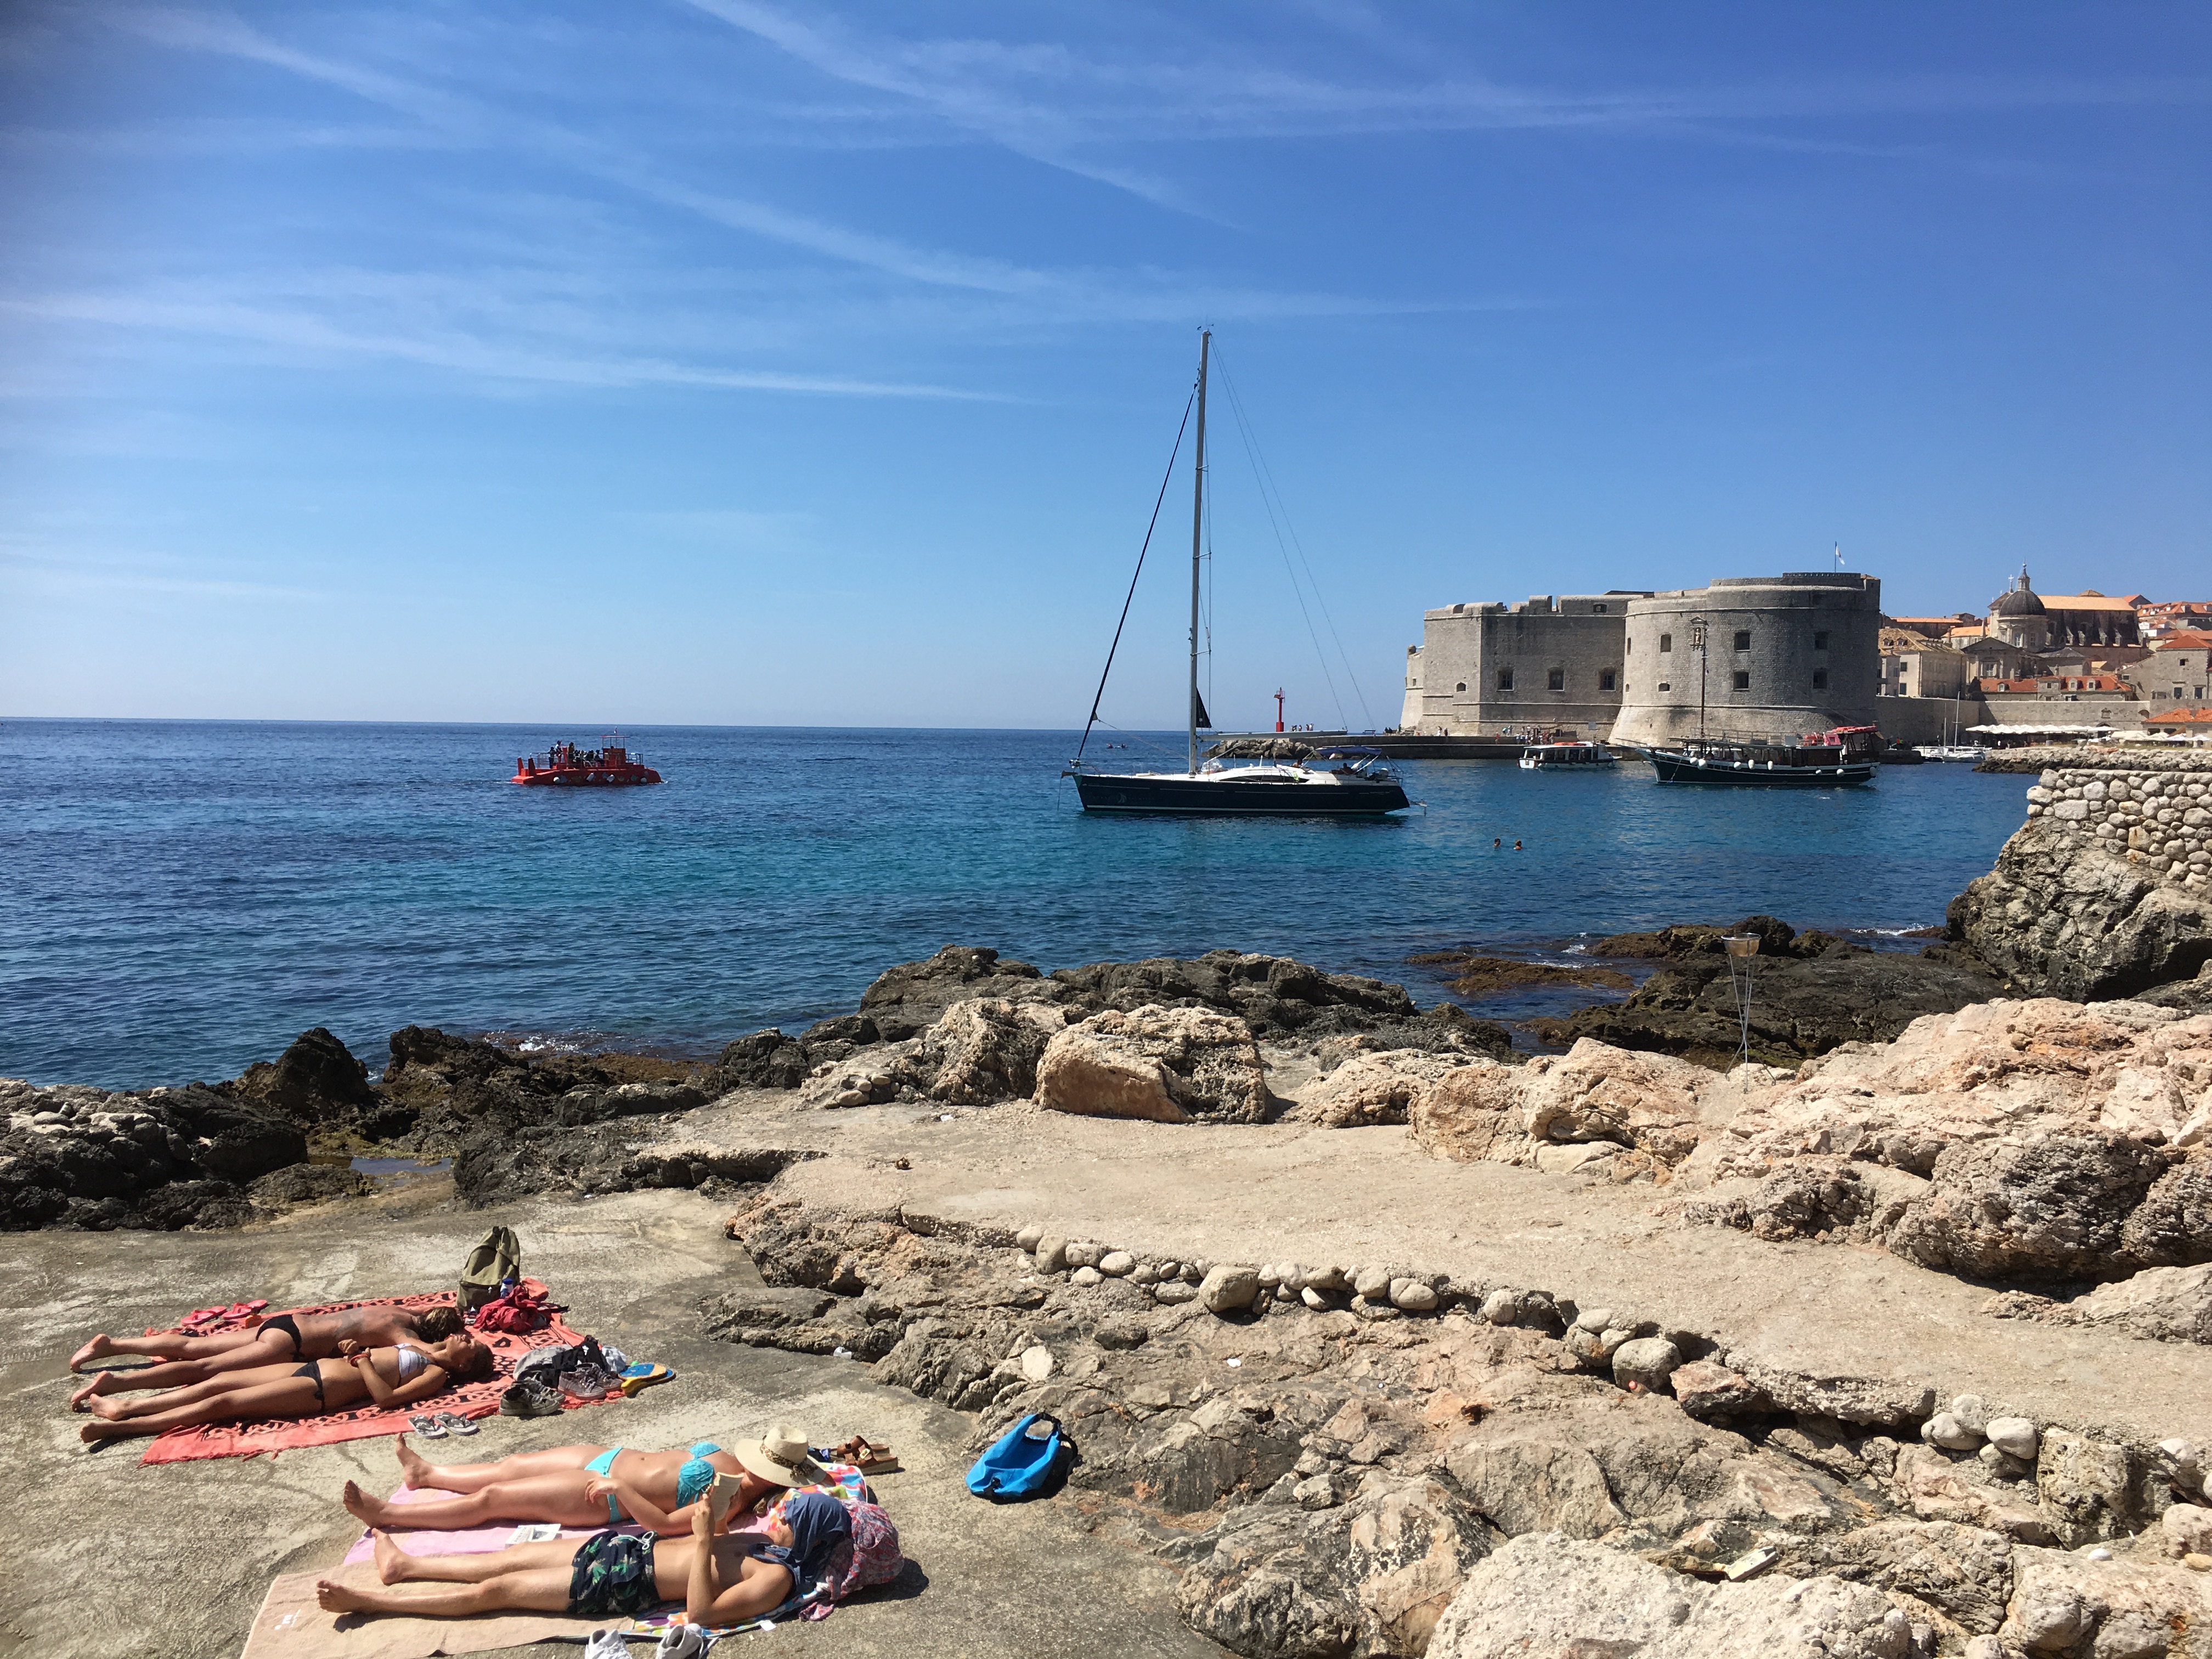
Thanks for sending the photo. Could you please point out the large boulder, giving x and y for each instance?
(765, 1060)
(1169, 1065)
(1471, 1115)
(1547, 1594)
(1598, 1092)
(905, 1000)
(1375, 1087)
(2062, 916)
(1371, 1577)
(316, 1081)
(986, 1049)
(2056, 1207)
(2063, 1602)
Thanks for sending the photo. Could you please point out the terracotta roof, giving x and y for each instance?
(2083, 602)
(2186, 641)
(2194, 716)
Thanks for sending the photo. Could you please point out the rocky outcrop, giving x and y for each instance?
(2039, 1140)
(1547, 1594)
(1811, 993)
(986, 1050)
(2103, 893)
(160, 1158)
(1337, 1457)
(316, 1082)
(496, 1168)
(2159, 1304)
(1168, 1065)
(1374, 1088)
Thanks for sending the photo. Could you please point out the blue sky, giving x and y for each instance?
(720, 361)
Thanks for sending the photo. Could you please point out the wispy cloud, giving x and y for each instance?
(1069, 109)
(43, 570)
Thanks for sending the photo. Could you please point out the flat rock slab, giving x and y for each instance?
(1261, 1193)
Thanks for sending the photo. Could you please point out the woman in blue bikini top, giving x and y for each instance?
(589, 1485)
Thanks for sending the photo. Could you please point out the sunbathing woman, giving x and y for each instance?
(281, 1339)
(589, 1485)
(390, 1377)
(720, 1580)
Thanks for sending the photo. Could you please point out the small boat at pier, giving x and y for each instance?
(1842, 757)
(1543, 756)
(609, 766)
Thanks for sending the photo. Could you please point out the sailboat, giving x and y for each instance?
(1345, 783)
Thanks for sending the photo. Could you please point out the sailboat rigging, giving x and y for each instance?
(1357, 784)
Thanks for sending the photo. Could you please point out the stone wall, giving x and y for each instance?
(2102, 893)
(2161, 819)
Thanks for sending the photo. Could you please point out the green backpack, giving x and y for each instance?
(496, 1257)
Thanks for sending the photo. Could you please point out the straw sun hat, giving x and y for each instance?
(780, 1457)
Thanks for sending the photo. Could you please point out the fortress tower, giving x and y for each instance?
(1767, 656)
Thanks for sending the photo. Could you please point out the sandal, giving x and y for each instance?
(427, 1425)
(200, 1316)
(642, 1376)
(452, 1423)
(869, 1456)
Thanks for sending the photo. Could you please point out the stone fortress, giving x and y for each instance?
(1753, 657)
(1770, 658)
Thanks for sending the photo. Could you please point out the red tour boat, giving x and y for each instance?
(564, 764)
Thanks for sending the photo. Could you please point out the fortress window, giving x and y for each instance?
(1606, 678)
(1742, 680)
(1504, 679)
(1666, 641)
(1821, 639)
(1628, 645)
(1597, 610)
(1664, 686)
(1462, 685)
(1743, 639)
(1820, 680)
(1556, 680)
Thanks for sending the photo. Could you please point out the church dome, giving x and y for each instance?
(2018, 600)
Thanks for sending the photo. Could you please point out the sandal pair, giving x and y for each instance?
(437, 1425)
(869, 1456)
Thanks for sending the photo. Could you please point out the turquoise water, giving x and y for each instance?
(184, 897)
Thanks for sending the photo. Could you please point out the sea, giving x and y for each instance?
(181, 898)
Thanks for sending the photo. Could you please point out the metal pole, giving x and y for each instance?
(1197, 537)
(1698, 645)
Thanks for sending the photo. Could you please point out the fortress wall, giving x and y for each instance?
(1483, 667)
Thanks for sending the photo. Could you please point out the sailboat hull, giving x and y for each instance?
(1325, 796)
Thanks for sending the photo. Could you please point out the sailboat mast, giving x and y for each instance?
(1197, 541)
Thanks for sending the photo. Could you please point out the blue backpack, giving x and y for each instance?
(1021, 1464)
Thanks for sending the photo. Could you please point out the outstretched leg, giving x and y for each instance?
(395, 1566)
(164, 1345)
(170, 1373)
(540, 1589)
(539, 1497)
(474, 1477)
(292, 1397)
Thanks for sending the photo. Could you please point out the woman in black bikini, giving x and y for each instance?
(280, 1338)
(390, 1377)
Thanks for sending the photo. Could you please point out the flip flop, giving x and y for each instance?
(200, 1316)
(642, 1376)
(427, 1425)
(454, 1424)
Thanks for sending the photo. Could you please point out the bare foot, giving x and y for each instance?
(108, 1410)
(93, 1433)
(334, 1597)
(392, 1561)
(369, 1512)
(98, 1348)
(78, 1400)
(412, 1466)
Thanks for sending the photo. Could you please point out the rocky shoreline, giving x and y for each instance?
(1385, 1456)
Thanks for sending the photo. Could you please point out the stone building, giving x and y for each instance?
(1781, 656)
(1547, 664)
(2177, 674)
(1914, 666)
(2038, 622)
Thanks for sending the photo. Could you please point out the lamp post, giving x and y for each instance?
(1743, 964)
(1698, 645)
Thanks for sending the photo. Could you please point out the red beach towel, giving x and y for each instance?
(274, 1434)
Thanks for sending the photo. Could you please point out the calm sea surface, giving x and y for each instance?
(178, 899)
